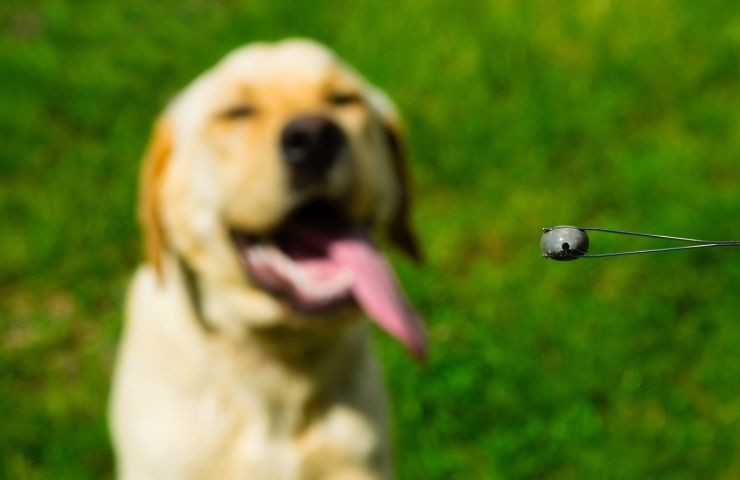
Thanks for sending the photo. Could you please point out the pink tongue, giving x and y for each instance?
(376, 289)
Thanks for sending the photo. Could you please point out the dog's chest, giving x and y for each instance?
(271, 438)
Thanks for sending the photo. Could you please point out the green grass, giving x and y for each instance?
(623, 114)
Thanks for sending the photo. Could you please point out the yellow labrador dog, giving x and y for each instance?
(244, 353)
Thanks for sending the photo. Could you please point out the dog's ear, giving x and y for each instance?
(153, 167)
(400, 229)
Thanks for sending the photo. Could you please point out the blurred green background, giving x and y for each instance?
(623, 114)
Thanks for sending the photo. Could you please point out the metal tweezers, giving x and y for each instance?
(697, 243)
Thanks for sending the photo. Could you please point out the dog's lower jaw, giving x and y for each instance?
(252, 318)
(191, 400)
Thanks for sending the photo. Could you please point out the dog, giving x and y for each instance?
(245, 354)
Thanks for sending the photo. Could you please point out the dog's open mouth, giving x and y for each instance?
(317, 259)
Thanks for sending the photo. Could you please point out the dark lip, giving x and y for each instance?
(321, 311)
(326, 214)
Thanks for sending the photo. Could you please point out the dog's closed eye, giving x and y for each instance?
(341, 99)
(237, 112)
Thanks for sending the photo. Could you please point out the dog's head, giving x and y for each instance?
(273, 170)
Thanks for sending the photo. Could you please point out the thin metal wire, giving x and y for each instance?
(654, 250)
(700, 243)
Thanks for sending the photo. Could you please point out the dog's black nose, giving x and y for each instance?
(311, 145)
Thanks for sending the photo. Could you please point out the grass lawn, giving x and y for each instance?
(622, 114)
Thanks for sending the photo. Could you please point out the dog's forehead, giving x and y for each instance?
(281, 62)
